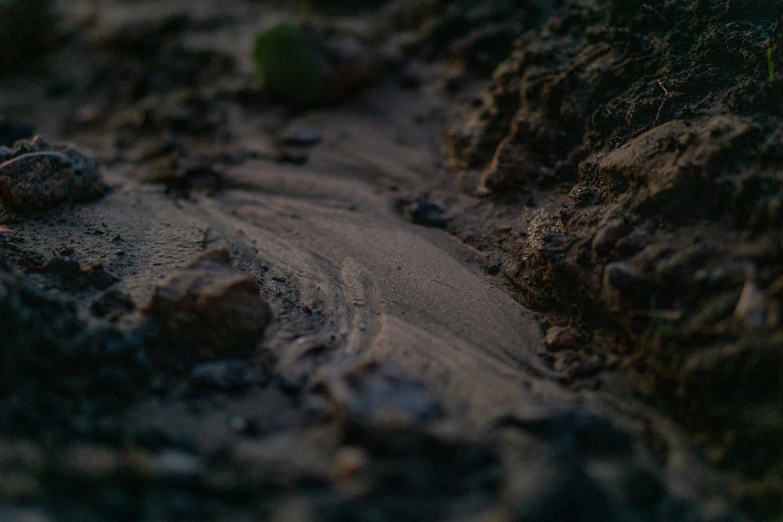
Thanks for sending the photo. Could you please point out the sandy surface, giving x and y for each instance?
(354, 285)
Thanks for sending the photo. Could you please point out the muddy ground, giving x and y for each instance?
(523, 262)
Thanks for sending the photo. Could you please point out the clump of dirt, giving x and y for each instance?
(58, 366)
(633, 152)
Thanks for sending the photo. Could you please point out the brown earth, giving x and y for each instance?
(267, 315)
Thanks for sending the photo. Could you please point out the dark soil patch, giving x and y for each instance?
(644, 140)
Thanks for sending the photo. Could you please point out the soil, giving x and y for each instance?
(527, 267)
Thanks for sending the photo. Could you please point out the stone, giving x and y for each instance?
(350, 461)
(301, 136)
(751, 308)
(222, 375)
(177, 466)
(427, 214)
(560, 338)
(39, 177)
(209, 310)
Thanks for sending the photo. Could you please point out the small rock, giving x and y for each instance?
(300, 136)
(560, 338)
(40, 177)
(177, 466)
(751, 308)
(350, 461)
(223, 375)
(209, 308)
(238, 424)
(427, 214)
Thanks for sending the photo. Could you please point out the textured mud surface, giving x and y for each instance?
(563, 308)
(631, 153)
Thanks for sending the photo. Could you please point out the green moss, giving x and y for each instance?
(290, 64)
(27, 28)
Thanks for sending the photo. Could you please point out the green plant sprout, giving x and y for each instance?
(287, 58)
(770, 63)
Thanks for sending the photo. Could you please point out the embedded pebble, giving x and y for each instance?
(562, 338)
(301, 137)
(39, 177)
(427, 214)
(751, 308)
(210, 310)
(222, 375)
(177, 466)
(350, 461)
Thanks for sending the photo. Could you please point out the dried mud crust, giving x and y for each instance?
(630, 155)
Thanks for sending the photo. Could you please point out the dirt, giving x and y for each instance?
(643, 143)
(527, 269)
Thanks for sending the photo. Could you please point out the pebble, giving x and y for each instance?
(751, 308)
(39, 177)
(427, 214)
(350, 461)
(301, 137)
(238, 424)
(560, 338)
(177, 466)
(209, 310)
(223, 375)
